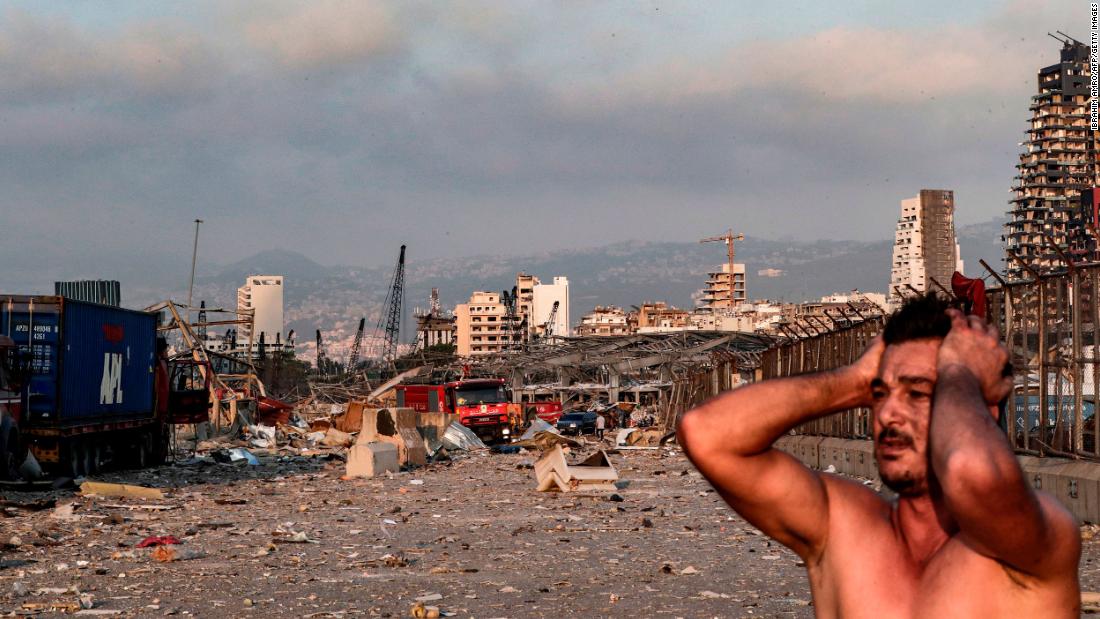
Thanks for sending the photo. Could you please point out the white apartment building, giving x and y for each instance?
(544, 297)
(262, 294)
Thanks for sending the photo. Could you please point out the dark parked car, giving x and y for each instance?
(579, 422)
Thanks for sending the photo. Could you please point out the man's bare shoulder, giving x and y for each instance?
(1063, 534)
(1061, 547)
(857, 515)
(849, 494)
(1058, 516)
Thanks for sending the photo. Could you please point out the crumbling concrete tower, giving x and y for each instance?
(925, 247)
(716, 295)
(1058, 161)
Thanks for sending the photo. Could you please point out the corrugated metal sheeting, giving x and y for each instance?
(105, 292)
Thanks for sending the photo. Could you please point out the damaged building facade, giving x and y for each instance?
(1058, 163)
(492, 322)
(434, 327)
(662, 374)
(926, 251)
(483, 325)
(716, 294)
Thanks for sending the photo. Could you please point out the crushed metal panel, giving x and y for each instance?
(537, 425)
(415, 453)
(432, 428)
(552, 471)
(460, 438)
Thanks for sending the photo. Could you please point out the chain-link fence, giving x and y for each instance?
(1050, 327)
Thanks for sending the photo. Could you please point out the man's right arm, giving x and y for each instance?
(729, 439)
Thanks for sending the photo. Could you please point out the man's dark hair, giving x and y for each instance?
(920, 317)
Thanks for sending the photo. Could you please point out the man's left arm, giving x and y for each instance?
(983, 487)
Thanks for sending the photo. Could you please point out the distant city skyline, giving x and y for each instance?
(342, 129)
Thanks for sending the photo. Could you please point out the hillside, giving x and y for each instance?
(333, 298)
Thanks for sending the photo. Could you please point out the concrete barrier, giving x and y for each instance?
(809, 450)
(397, 426)
(1073, 482)
(1076, 484)
(372, 459)
(832, 454)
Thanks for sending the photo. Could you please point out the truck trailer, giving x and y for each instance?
(85, 385)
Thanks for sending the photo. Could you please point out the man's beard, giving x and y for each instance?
(905, 483)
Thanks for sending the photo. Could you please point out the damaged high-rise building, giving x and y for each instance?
(1058, 162)
(717, 295)
(925, 247)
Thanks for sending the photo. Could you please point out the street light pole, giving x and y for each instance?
(194, 256)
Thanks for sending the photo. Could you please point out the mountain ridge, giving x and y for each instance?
(333, 297)
(626, 273)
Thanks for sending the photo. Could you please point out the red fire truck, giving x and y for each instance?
(546, 410)
(483, 405)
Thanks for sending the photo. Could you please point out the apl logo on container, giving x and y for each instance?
(110, 386)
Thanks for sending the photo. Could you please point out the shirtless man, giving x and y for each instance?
(967, 535)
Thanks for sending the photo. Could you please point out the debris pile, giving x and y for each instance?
(594, 473)
(640, 438)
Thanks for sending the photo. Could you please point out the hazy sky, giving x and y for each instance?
(343, 128)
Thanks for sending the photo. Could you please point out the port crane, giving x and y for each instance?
(511, 318)
(548, 331)
(356, 346)
(389, 322)
(322, 357)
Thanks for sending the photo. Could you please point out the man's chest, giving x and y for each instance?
(879, 578)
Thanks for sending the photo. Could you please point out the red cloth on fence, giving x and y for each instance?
(971, 291)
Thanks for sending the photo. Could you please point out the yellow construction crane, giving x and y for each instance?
(728, 238)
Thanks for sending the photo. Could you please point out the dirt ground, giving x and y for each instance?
(289, 538)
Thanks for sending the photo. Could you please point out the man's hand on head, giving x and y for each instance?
(866, 368)
(976, 345)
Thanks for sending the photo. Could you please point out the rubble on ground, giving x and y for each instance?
(465, 535)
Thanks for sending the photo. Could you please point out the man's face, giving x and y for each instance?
(902, 406)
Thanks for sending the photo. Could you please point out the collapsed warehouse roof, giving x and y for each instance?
(578, 359)
(669, 372)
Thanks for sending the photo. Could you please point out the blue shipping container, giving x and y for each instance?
(1054, 408)
(89, 363)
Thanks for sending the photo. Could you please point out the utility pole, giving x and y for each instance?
(728, 238)
(194, 256)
